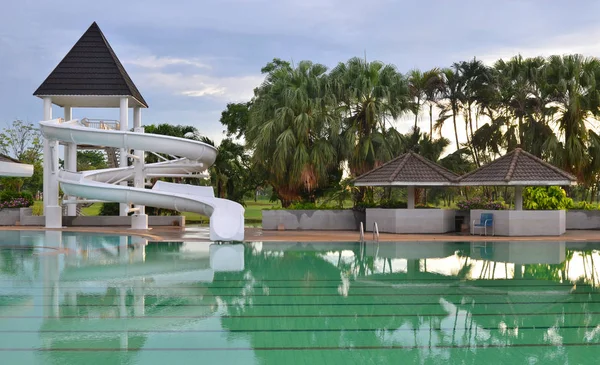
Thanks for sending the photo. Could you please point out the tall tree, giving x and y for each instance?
(451, 101)
(370, 95)
(294, 129)
(434, 88)
(573, 85)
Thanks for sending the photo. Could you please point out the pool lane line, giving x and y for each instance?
(524, 328)
(362, 279)
(259, 295)
(390, 286)
(320, 316)
(299, 348)
(376, 304)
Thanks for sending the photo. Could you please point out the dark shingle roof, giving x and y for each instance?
(406, 170)
(518, 168)
(90, 68)
(4, 158)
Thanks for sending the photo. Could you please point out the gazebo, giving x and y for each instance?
(517, 169)
(409, 170)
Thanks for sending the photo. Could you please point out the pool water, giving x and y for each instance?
(88, 299)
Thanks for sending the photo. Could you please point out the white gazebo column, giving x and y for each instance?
(410, 197)
(52, 210)
(70, 160)
(124, 126)
(140, 219)
(46, 166)
(518, 198)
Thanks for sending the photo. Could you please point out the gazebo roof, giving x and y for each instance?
(90, 75)
(409, 169)
(517, 168)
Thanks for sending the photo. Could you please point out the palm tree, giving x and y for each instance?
(370, 95)
(434, 88)
(294, 129)
(450, 103)
(416, 87)
(573, 86)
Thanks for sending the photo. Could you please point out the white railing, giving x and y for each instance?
(106, 124)
(375, 232)
(362, 233)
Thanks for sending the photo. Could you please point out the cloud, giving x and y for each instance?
(230, 88)
(153, 62)
(584, 41)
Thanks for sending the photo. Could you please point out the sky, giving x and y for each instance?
(190, 58)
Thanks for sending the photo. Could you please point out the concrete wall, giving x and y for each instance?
(583, 219)
(9, 216)
(525, 222)
(332, 220)
(26, 219)
(411, 220)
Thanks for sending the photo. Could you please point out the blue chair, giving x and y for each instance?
(486, 220)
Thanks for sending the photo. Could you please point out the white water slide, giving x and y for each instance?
(14, 169)
(226, 216)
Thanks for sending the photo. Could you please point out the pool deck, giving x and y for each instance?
(200, 234)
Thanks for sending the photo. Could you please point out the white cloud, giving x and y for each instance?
(154, 62)
(585, 41)
(231, 88)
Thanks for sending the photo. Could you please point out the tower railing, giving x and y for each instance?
(106, 124)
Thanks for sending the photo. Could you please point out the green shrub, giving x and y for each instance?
(392, 204)
(546, 198)
(479, 203)
(109, 209)
(13, 199)
(583, 206)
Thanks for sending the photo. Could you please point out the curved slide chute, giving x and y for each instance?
(226, 216)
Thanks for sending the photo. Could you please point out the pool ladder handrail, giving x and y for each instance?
(375, 232)
(362, 233)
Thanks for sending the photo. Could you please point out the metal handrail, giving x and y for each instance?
(362, 233)
(375, 232)
(106, 124)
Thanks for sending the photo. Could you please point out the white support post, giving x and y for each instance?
(410, 197)
(70, 160)
(52, 210)
(518, 198)
(124, 126)
(46, 166)
(140, 219)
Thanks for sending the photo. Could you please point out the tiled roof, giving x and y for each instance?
(91, 68)
(518, 168)
(405, 170)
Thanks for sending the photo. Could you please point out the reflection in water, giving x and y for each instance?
(83, 298)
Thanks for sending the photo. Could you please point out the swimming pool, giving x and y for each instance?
(83, 298)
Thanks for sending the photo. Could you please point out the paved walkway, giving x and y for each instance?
(192, 233)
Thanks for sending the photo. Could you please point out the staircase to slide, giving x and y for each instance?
(189, 157)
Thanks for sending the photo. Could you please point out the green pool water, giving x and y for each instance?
(89, 299)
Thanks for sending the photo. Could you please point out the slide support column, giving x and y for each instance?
(124, 126)
(140, 218)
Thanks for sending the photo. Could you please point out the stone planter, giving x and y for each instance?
(9, 216)
(583, 219)
(318, 220)
(411, 220)
(360, 217)
(525, 222)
